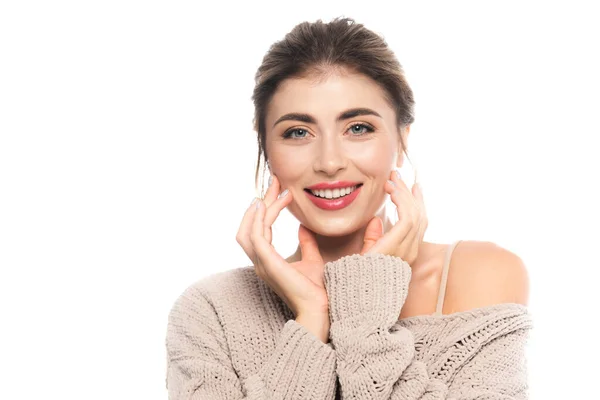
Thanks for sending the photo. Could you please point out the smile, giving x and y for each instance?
(333, 193)
(333, 199)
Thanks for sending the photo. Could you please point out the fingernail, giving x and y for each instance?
(258, 204)
(392, 182)
(270, 180)
(398, 174)
(253, 201)
(283, 193)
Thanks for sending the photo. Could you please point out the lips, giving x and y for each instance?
(333, 204)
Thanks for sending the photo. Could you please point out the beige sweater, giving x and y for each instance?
(229, 336)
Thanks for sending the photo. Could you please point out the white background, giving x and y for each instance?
(127, 160)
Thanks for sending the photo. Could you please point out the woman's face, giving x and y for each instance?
(322, 147)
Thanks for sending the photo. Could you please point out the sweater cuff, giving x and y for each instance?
(371, 284)
(300, 363)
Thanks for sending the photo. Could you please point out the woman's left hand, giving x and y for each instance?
(404, 238)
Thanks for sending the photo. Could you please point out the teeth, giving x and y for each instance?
(333, 194)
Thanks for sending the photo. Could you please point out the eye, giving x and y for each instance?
(289, 133)
(362, 130)
(361, 126)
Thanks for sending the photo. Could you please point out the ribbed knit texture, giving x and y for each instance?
(229, 336)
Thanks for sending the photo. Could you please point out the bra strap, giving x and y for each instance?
(442, 291)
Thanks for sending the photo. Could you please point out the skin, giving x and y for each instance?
(328, 149)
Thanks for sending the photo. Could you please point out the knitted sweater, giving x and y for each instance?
(229, 336)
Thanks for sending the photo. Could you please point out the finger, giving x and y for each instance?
(404, 199)
(272, 192)
(423, 221)
(413, 241)
(373, 232)
(397, 179)
(394, 240)
(418, 194)
(415, 236)
(308, 245)
(420, 202)
(269, 261)
(259, 243)
(273, 212)
(397, 185)
(400, 185)
(243, 234)
(406, 208)
(256, 236)
(411, 218)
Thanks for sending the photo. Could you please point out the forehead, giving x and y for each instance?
(327, 97)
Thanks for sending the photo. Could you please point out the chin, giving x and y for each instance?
(333, 228)
(329, 225)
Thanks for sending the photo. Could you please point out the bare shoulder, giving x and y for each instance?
(483, 274)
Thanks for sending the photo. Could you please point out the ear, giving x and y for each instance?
(404, 134)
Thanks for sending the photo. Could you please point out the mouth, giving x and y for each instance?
(333, 199)
(333, 194)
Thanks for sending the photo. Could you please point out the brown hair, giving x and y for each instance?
(317, 48)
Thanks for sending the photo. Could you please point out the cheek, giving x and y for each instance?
(288, 168)
(374, 159)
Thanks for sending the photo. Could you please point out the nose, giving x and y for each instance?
(330, 158)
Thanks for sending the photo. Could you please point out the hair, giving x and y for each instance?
(317, 49)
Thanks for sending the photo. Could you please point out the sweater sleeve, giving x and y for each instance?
(366, 294)
(199, 366)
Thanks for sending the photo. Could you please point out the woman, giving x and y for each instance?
(364, 309)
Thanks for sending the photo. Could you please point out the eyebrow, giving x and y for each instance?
(351, 113)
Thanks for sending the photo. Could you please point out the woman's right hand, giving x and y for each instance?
(299, 284)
